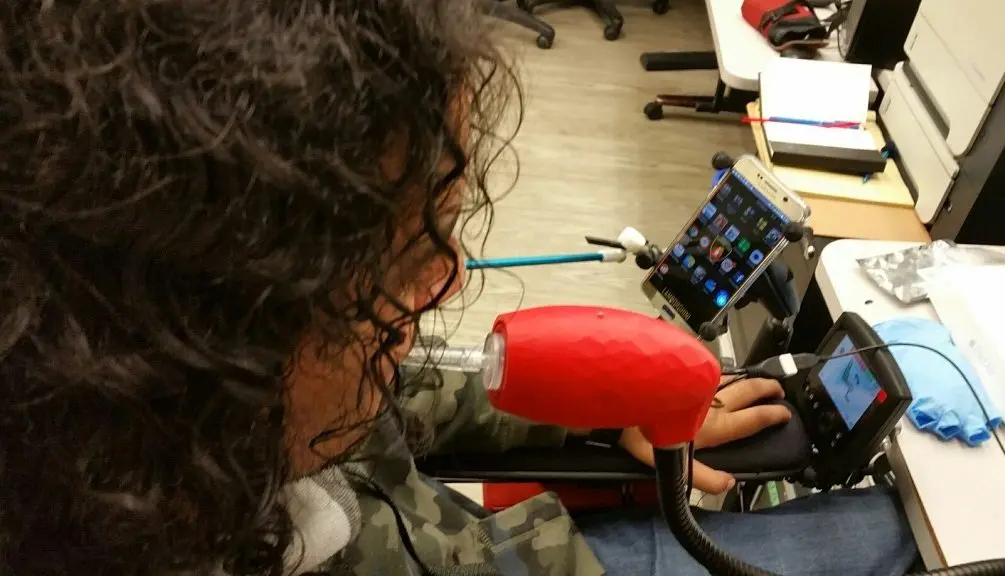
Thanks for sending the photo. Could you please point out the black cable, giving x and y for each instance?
(736, 378)
(970, 385)
(775, 368)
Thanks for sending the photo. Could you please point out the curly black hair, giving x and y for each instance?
(187, 188)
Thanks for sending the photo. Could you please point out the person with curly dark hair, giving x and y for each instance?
(220, 222)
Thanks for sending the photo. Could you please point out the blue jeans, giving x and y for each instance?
(844, 533)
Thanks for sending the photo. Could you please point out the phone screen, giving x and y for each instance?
(715, 254)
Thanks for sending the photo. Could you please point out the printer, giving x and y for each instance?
(943, 112)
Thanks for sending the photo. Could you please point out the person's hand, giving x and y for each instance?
(737, 418)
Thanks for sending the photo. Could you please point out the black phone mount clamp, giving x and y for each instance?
(772, 289)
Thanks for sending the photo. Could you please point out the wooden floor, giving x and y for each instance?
(591, 163)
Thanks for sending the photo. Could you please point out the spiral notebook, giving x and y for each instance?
(820, 91)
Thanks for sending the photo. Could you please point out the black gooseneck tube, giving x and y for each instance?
(671, 477)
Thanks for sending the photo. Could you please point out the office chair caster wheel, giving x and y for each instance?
(544, 42)
(661, 6)
(653, 111)
(612, 31)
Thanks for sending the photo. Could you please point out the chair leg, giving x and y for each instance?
(661, 6)
(731, 500)
(680, 61)
(741, 498)
(613, 21)
(606, 9)
(668, 61)
(721, 101)
(521, 17)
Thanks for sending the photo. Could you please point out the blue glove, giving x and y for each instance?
(943, 402)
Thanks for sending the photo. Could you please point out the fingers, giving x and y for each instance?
(750, 421)
(711, 481)
(748, 392)
(636, 444)
(731, 426)
(706, 479)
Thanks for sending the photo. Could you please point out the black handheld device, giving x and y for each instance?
(849, 402)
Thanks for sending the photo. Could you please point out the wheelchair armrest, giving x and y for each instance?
(573, 463)
(770, 455)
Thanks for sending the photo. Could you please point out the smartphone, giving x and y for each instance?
(726, 244)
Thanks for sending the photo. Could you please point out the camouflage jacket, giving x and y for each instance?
(449, 533)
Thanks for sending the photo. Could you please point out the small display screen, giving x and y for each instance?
(849, 382)
(725, 244)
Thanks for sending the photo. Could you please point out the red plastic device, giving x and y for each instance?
(595, 367)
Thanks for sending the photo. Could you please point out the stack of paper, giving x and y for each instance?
(818, 91)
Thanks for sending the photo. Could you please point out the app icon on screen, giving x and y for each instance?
(727, 265)
(677, 251)
(742, 246)
(692, 231)
(664, 269)
(698, 276)
(748, 213)
(761, 225)
(756, 257)
(704, 242)
(718, 224)
(726, 190)
(721, 298)
(688, 262)
(707, 213)
(732, 233)
(720, 248)
(772, 237)
(715, 254)
(738, 200)
(731, 208)
(709, 285)
(738, 278)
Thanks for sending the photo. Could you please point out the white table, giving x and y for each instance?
(742, 52)
(954, 495)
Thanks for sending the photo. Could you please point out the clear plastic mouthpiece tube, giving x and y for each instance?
(488, 361)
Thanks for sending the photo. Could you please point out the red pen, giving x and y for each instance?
(819, 123)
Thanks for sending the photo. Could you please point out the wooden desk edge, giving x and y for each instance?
(843, 219)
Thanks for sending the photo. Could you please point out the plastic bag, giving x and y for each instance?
(902, 274)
